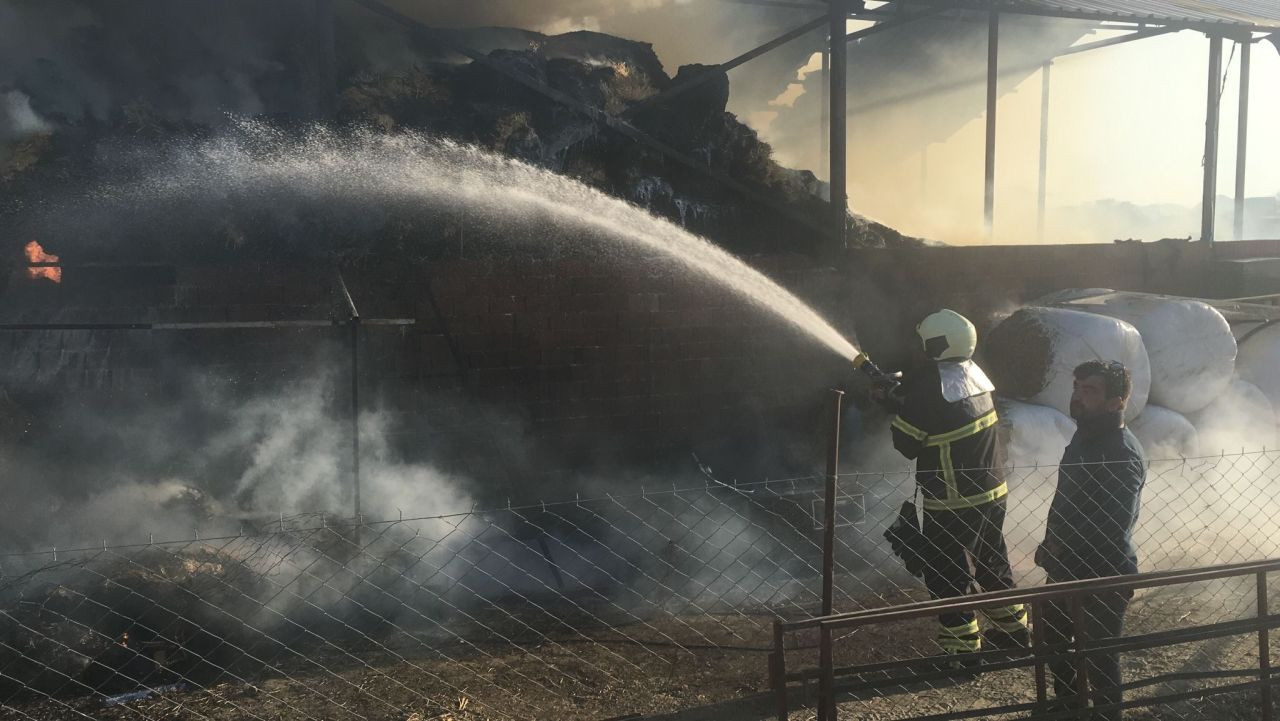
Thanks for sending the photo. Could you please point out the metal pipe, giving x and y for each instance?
(1082, 669)
(779, 668)
(826, 683)
(829, 508)
(355, 415)
(1242, 138)
(1264, 647)
(837, 17)
(1208, 200)
(1042, 190)
(1036, 612)
(993, 63)
(824, 132)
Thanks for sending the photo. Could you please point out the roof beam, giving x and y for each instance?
(1217, 28)
(976, 79)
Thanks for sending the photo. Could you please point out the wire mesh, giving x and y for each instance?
(643, 603)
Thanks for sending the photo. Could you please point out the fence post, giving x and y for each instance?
(1037, 652)
(778, 670)
(1081, 636)
(1264, 647)
(826, 678)
(829, 509)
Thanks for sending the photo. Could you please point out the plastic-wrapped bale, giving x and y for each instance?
(1259, 358)
(1165, 434)
(1033, 435)
(1189, 343)
(1034, 438)
(1241, 419)
(1032, 354)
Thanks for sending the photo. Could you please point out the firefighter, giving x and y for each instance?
(946, 420)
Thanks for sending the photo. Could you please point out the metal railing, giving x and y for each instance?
(917, 671)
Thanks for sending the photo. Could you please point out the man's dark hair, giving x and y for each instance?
(1117, 381)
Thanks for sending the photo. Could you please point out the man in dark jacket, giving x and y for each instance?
(946, 421)
(1090, 528)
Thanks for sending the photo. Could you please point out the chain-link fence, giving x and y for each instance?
(640, 603)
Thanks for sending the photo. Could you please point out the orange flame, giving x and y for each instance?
(36, 254)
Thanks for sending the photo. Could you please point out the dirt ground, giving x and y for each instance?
(596, 675)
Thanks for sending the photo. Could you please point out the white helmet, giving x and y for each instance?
(947, 335)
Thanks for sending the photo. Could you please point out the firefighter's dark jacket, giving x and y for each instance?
(959, 463)
(1091, 519)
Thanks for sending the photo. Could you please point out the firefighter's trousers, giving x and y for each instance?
(966, 553)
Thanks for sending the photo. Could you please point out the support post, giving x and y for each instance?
(1242, 138)
(824, 129)
(829, 507)
(838, 17)
(1036, 611)
(1208, 201)
(355, 415)
(1264, 647)
(993, 62)
(1042, 191)
(778, 668)
(1081, 655)
(826, 678)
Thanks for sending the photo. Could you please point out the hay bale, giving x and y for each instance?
(1031, 355)
(1258, 361)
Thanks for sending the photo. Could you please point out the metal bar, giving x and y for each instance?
(60, 264)
(1056, 652)
(1079, 637)
(1042, 188)
(839, 128)
(1264, 647)
(826, 684)
(1242, 138)
(213, 325)
(829, 509)
(993, 63)
(596, 114)
(1035, 611)
(355, 414)
(976, 79)
(1150, 579)
(1206, 26)
(703, 78)
(824, 132)
(780, 670)
(1208, 199)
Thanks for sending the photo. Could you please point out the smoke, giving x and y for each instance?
(154, 62)
(209, 460)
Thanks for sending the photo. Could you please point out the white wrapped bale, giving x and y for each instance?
(1165, 434)
(1259, 358)
(1189, 343)
(1241, 419)
(1032, 354)
(1033, 435)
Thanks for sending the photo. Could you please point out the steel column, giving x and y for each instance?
(829, 508)
(993, 63)
(1242, 138)
(838, 18)
(1042, 189)
(1210, 195)
(1264, 647)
